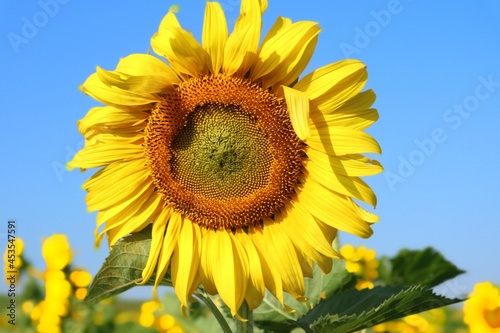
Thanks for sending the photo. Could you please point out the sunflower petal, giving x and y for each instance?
(342, 141)
(215, 34)
(256, 285)
(349, 186)
(333, 85)
(207, 263)
(272, 277)
(241, 47)
(231, 269)
(144, 216)
(113, 95)
(283, 57)
(157, 238)
(358, 120)
(284, 258)
(304, 231)
(180, 48)
(113, 188)
(298, 108)
(185, 260)
(139, 64)
(108, 118)
(279, 25)
(353, 165)
(333, 209)
(95, 156)
(171, 238)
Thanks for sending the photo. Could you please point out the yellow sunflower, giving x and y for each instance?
(245, 172)
(482, 309)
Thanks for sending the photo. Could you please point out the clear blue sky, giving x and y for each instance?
(434, 66)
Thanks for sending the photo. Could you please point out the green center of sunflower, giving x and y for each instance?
(222, 151)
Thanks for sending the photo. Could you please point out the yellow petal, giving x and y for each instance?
(180, 48)
(333, 85)
(342, 141)
(305, 263)
(147, 65)
(146, 85)
(119, 214)
(279, 25)
(112, 190)
(283, 57)
(240, 51)
(113, 95)
(185, 260)
(333, 209)
(358, 120)
(256, 285)
(362, 101)
(304, 231)
(215, 34)
(157, 237)
(110, 118)
(231, 269)
(284, 258)
(272, 277)
(144, 216)
(297, 105)
(169, 245)
(354, 165)
(95, 156)
(207, 263)
(349, 186)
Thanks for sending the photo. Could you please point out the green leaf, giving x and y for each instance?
(123, 267)
(271, 315)
(354, 310)
(411, 267)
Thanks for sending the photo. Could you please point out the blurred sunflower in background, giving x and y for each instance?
(245, 172)
(482, 309)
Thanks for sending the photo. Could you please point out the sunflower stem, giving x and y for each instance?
(245, 313)
(215, 310)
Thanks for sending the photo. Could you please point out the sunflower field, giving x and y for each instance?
(53, 298)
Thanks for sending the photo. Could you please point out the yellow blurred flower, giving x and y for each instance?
(146, 319)
(81, 293)
(80, 278)
(56, 252)
(166, 322)
(482, 309)
(48, 314)
(362, 262)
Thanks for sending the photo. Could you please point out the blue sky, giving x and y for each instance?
(434, 67)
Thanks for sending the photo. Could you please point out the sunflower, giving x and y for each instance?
(245, 172)
(482, 309)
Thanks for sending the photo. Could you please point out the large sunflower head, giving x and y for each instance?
(244, 171)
